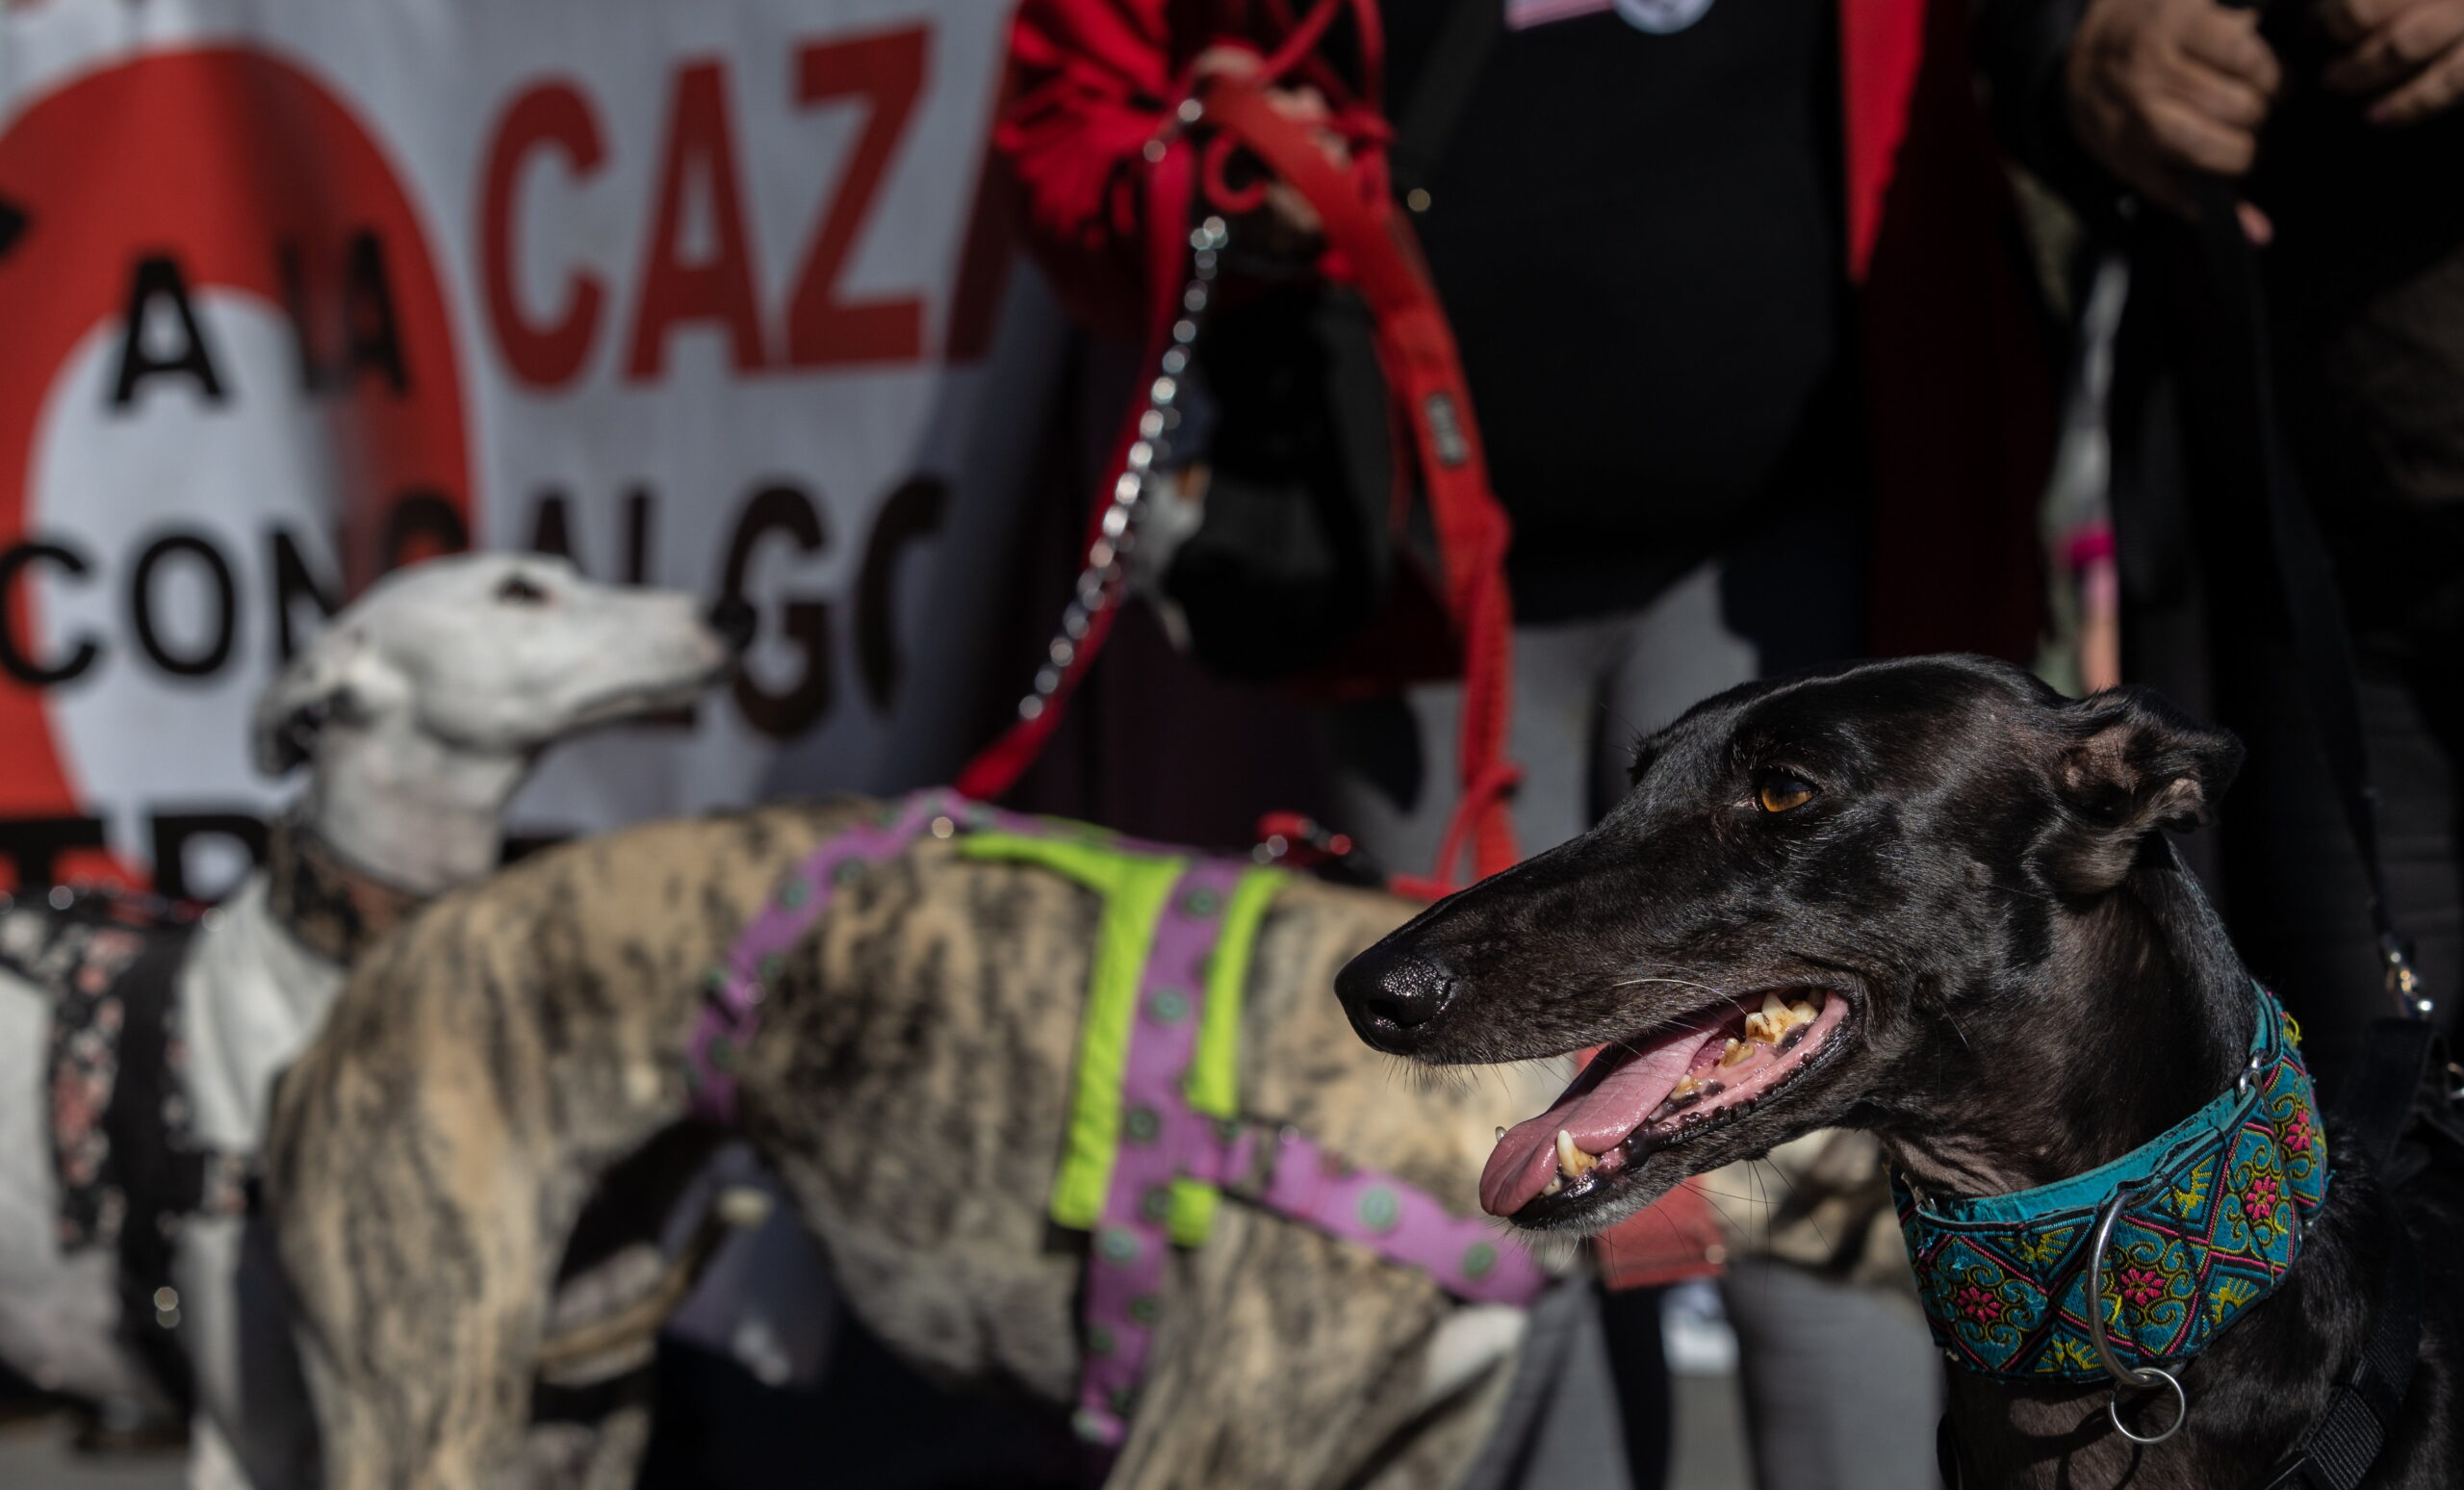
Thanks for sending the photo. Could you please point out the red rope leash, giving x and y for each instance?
(1373, 248)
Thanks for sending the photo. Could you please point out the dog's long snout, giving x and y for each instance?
(734, 621)
(1393, 993)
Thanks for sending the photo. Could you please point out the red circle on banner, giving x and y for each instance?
(255, 178)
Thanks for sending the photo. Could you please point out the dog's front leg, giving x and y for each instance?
(1288, 1359)
(411, 1223)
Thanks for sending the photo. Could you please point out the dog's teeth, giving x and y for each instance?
(1573, 1163)
(1735, 1052)
(1500, 1135)
(1686, 1086)
(1556, 1182)
(1771, 1023)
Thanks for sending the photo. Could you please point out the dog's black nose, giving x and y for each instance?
(734, 621)
(1392, 995)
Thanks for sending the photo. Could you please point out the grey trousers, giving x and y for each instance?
(1843, 1388)
(1585, 691)
(1559, 1428)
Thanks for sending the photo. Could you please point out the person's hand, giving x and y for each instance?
(1292, 223)
(2163, 92)
(2406, 56)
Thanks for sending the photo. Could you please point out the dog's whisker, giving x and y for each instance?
(1954, 1022)
(1798, 1195)
(1712, 1200)
(1682, 983)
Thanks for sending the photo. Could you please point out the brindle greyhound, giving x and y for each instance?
(910, 1084)
(1982, 951)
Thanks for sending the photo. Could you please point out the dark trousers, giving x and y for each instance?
(2296, 895)
(2368, 324)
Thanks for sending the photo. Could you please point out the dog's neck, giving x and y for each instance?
(2174, 1028)
(2140, 1016)
(412, 811)
(392, 817)
(332, 907)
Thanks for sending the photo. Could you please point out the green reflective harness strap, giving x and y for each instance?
(1135, 888)
(1155, 1130)
(1213, 1086)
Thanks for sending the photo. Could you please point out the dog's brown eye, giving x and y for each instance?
(518, 590)
(1779, 793)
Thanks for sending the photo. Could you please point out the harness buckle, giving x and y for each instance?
(1253, 1155)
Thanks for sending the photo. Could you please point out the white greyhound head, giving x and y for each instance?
(421, 707)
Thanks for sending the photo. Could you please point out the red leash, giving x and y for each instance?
(1371, 247)
(1378, 256)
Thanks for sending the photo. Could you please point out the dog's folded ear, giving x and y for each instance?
(322, 685)
(2127, 763)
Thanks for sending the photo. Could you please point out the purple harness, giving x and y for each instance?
(1165, 1143)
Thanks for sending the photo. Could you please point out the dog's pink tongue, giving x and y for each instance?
(1597, 1120)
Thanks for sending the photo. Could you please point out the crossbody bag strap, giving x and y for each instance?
(2337, 1451)
(1442, 93)
(2313, 600)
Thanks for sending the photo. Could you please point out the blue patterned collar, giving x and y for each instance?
(2212, 1213)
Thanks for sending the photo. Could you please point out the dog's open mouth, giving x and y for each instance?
(1649, 1094)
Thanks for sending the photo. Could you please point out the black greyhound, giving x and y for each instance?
(1929, 899)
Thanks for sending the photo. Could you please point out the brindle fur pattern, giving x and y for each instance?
(910, 1084)
(2036, 986)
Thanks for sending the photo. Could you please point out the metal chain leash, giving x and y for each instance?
(1099, 581)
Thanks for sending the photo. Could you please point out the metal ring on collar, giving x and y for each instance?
(2123, 1375)
(2181, 1410)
